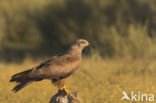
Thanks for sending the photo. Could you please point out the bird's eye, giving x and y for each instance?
(83, 42)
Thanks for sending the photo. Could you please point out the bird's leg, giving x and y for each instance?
(65, 89)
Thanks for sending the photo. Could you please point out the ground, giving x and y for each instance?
(97, 81)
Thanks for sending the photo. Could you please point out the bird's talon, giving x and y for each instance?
(66, 90)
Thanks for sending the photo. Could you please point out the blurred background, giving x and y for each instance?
(123, 31)
(44, 27)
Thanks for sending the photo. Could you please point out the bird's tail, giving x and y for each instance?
(20, 85)
(19, 77)
(22, 79)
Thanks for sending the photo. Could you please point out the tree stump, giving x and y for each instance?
(62, 97)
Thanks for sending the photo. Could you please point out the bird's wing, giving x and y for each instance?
(56, 67)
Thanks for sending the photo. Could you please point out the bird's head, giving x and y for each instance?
(81, 43)
(78, 46)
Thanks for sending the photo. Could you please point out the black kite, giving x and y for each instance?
(57, 68)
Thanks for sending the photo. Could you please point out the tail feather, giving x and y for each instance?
(20, 76)
(20, 86)
(22, 79)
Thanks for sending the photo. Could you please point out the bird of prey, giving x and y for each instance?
(57, 68)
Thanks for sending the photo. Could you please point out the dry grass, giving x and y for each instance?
(97, 80)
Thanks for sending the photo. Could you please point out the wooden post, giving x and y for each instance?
(62, 97)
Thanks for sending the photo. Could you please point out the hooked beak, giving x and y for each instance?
(87, 44)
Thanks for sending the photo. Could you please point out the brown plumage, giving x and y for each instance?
(57, 68)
